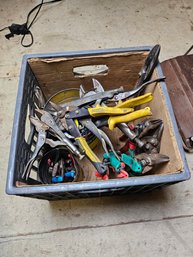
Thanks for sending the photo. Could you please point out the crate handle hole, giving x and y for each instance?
(90, 70)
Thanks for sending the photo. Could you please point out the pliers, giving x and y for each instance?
(50, 122)
(42, 128)
(83, 116)
(120, 120)
(42, 132)
(150, 132)
(73, 126)
(131, 102)
(111, 154)
(74, 117)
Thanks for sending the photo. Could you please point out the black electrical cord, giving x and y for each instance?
(4, 29)
(24, 29)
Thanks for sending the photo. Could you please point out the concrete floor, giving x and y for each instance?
(155, 224)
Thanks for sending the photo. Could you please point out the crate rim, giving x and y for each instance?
(137, 181)
(80, 53)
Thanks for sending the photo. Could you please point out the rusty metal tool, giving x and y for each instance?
(148, 161)
(150, 132)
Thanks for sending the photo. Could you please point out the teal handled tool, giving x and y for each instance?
(132, 163)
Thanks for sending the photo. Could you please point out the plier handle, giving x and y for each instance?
(73, 125)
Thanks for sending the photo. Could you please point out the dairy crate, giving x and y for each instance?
(55, 71)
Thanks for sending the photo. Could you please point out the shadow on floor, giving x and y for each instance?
(114, 206)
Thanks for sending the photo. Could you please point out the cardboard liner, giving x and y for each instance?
(55, 74)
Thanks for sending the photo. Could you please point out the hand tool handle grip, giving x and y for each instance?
(100, 167)
(112, 121)
(110, 111)
(136, 101)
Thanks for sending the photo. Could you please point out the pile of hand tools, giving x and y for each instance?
(68, 132)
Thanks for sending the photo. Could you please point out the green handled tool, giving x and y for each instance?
(132, 163)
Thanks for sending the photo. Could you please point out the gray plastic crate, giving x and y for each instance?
(20, 151)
